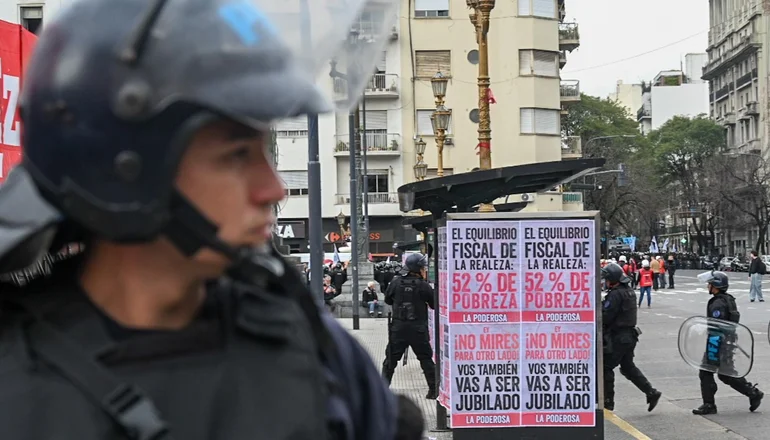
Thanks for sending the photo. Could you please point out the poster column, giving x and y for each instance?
(558, 323)
(485, 320)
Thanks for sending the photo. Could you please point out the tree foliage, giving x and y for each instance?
(607, 131)
(682, 151)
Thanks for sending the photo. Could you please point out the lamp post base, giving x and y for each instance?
(487, 207)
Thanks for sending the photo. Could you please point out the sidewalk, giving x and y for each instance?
(408, 379)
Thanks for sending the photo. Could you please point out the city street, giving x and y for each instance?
(658, 357)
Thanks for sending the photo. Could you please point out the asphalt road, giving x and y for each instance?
(658, 357)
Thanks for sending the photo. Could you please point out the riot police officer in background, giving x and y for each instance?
(410, 296)
(722, 306)
(146, 131)
(620, 337)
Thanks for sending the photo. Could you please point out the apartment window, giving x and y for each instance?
(431, 8)
(424, 125)
(428, 62)
(538, 62)
(295, 182)
(32, 18)
(540, 121)
(377, 181)
(538, 8)
(292, 127)
(376, 122)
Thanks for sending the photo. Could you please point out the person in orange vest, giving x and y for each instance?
(661, 272)
(646, 277)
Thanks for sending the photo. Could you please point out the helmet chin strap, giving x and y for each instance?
(190, 231)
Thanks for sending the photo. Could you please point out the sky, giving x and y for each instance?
(632, 41)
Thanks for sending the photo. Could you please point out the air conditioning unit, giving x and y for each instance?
(527, 197)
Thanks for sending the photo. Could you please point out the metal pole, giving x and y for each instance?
(354, 194)
(364, 148)
(481, 22)
(315, 213)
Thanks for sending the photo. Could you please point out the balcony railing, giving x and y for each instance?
(382, 84)
(373, 198)
(569, 36)
(571, 148)
(644, 112)
(746, 44)
(377, 143)
(570, 90)
(379, 85)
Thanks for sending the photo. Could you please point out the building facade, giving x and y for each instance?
(674, 93)
(737, 73)
(627, 96)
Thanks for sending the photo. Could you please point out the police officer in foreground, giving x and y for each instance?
(722, 305)
(410, 296)
(620, 337)
(145, 127)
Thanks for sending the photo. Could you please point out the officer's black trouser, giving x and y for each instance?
(405, 334)
(622, 354)
(708, 386)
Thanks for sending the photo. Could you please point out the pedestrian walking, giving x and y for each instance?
(757, 268)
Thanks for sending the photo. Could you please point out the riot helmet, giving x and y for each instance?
(716, 279)
(416, 262)
(614, 274)
(115, 91)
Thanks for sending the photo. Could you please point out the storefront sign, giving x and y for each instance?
(290, 230)
(521, 312)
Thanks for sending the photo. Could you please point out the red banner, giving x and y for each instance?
(16, 44)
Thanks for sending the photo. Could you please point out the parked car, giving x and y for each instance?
(739, 264)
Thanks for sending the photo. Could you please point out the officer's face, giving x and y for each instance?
(227, 174)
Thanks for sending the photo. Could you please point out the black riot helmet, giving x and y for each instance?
(416, 262)
(116, 89)
(613, 274)
(715, 279)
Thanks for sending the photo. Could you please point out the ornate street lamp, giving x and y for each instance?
(440, 118)
(341, 222)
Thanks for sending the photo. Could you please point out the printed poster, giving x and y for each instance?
(522, 312)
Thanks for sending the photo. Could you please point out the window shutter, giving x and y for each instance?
(431, 5)
(428, 62)
(544, 8)
(547, 121)
(527, 121)
(292, 124)
(376, 120)
(524, 7)
(546, 63)
(294, 179)
(424, 126)
(525, 62)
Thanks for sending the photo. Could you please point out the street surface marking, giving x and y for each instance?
(624, 426)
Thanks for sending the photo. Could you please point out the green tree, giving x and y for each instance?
(682, 150)
(606, 130)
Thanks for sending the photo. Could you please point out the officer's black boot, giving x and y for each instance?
(609, 404)
(652, 399)
(706, 408)
(432, 394)
(387, 373)
(430, 377)
(755, 398)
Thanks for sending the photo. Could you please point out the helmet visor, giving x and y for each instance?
(706, 277)
(274, 59)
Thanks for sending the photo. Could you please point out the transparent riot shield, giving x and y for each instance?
(718, 346)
